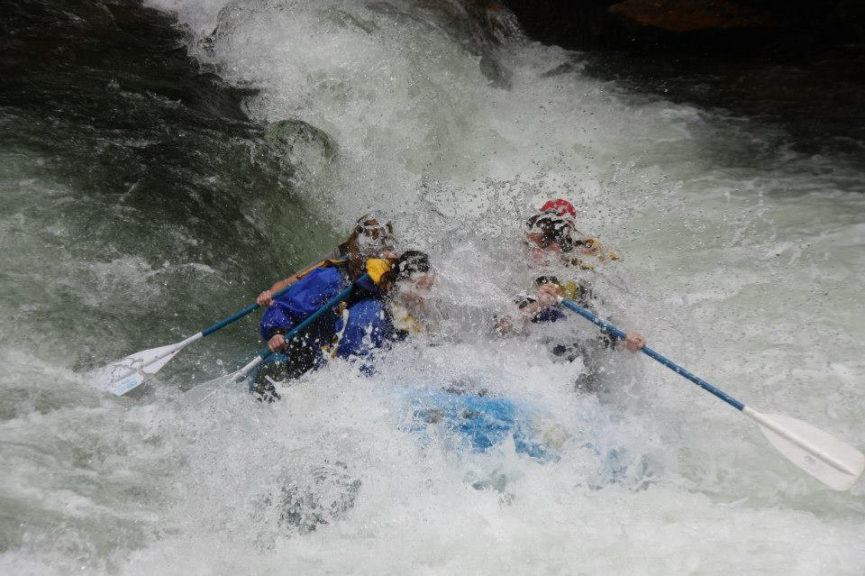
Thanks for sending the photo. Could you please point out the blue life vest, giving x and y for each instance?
(551, 314)
(369, 327)
(303, 298)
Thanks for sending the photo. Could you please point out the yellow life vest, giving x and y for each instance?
(405, 321)
(376, 268)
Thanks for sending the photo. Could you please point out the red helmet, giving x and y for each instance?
(560, 207)
(555, 221)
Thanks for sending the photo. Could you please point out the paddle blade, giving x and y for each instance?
(826, 458)
(127, 374)
(201, 392)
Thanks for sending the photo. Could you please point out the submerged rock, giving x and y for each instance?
(313, 496)
(480, 27)
(301, 144)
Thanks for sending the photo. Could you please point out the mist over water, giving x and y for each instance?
(740, 260)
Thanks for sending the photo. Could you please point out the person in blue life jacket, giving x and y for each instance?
(371, 243)
(552, 241)
(371, 237)
(395, 312)
(463, 411)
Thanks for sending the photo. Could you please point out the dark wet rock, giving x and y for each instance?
(489, 20)
(301, 143)
(691, 15)
(486, 25)
(318, 495)
(156, 157)
(706, 25)
(802, 65)
(49, 50)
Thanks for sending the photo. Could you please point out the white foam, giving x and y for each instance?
(743, 269)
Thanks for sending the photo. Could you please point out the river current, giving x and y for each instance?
(134, 219)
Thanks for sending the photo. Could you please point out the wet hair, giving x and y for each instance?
(350, 247)
(554, 228)
(410, 262)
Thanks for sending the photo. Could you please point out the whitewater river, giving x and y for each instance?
(741, 258)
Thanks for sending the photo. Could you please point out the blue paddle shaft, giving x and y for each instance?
(265, 352)
(609, 328)
(223, 323)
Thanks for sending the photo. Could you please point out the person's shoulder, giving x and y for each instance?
(322, 278)
(324, 269)
(332, 260)
(330, 269)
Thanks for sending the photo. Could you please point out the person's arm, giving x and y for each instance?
(530, 308)
(312, 291)
(266, 297)
(634, 341)
(548, 296)
(276, 342)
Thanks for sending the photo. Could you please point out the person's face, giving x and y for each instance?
(541, 247)
(374, 239)
(544, 247)
(415, 290)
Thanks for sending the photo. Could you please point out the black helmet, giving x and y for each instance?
(554, 227)
(410, 262)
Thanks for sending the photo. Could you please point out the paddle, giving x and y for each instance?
(203, 391)
(265, 352)
(833, 462)
(127, 374)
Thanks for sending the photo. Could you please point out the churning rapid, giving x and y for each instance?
(141, 202)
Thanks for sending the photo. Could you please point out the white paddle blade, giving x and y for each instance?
(125, 375)
(205, 390)
(833, 462)
(201, 392)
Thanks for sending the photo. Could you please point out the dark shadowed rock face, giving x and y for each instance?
(53, 49)
(706, 25)
(154, 149)
(798, 63)
(691, 15)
